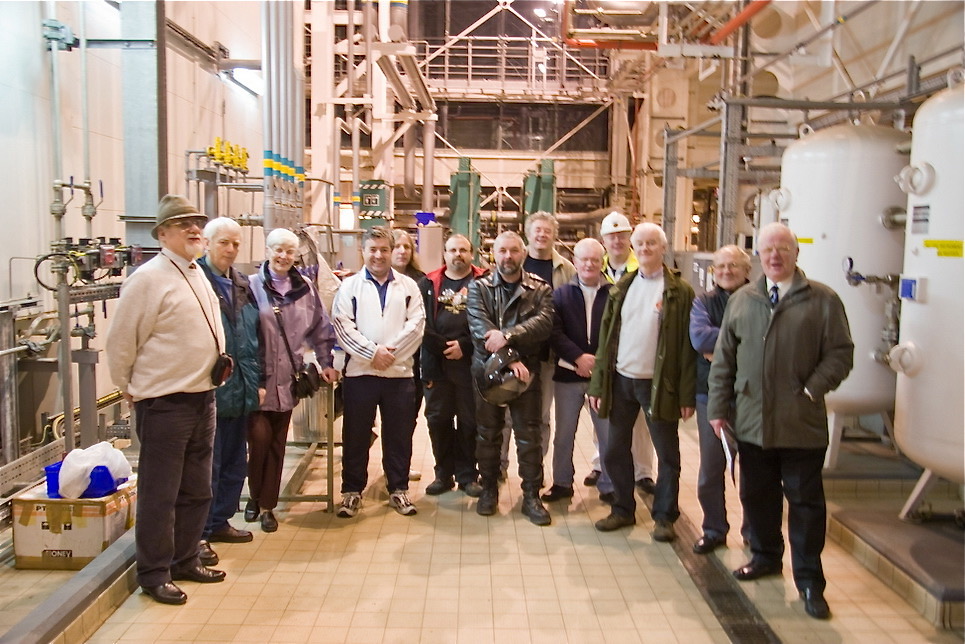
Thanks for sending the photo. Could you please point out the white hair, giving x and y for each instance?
(280, 236)
(220, 225)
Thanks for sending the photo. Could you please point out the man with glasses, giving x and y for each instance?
(645, 361)
(784, 344)
(168, 310)
(732, 267)
(578, 310)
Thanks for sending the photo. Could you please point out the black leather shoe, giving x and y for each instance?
(439, 486)
(756, 570)
(471, 489)
(251, 510)
(268, 521)
(707, 544)
(608, 497)
(558, 493)
(646, 486)
(230, 535)
(814, 604)
(165, 594)
(535, 511)
(200, 574)
(488, 501)
(207, 555)
(592, 478)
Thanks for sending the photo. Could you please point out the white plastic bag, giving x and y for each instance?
(75, 472)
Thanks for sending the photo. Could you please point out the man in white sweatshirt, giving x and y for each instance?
(167, 311)
(378, 318)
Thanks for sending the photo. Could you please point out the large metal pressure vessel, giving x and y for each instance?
(930, 358)
(835, 185)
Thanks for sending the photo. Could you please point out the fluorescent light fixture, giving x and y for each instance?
(250, 79)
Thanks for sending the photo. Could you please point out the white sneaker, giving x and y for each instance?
(400, 501)
(351, 504)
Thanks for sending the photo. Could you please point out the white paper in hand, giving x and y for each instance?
(729, 441)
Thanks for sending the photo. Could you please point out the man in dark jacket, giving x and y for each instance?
(645, 361)
(446, 361)
(578, 311)
(731, 267)
(783, 345)
(510, 314)
(238, 396)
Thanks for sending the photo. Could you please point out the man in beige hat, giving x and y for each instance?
(165, 338)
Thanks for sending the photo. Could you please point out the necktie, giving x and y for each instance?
(773, 296)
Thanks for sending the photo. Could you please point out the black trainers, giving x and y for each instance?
(471, 489)
(646, 486)
(558, 493)
(592, 478)
(439, 486)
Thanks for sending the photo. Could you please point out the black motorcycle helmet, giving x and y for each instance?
(497, 384)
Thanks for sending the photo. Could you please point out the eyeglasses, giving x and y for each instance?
(186, 224)
(650, 243)
(730, 265)
(770, 250)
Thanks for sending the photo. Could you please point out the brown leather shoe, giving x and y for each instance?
(200, 574)
(230, 534)
(165, 594)
(207, 555)
(614, 521)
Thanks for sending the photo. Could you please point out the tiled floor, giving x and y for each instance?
(449, 575)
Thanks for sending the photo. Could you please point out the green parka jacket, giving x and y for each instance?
(764, 360)
(675, 367)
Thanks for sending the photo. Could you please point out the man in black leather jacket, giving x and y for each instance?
(510, 311)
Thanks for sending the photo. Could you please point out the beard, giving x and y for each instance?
(508, 268)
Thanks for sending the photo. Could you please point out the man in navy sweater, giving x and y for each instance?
(578, 311)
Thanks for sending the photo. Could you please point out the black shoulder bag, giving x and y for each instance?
(224, 365)
(305, 381)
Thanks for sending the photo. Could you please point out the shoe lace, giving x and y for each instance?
(401, 498)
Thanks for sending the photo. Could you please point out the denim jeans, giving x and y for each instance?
(570, 400)
(229, 467)
(629, 397)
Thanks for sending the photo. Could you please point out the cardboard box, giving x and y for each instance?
(66, 534)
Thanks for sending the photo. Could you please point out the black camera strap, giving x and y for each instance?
(203, 311)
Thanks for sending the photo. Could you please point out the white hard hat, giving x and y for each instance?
(615, 223)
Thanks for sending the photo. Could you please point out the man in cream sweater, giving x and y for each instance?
(164, 339)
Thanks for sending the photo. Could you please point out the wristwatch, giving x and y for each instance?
(508, 335)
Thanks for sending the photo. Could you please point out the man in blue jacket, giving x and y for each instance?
(578, 310)
(238, 396)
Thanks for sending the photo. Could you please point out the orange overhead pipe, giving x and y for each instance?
(598, 44)
(737, 21)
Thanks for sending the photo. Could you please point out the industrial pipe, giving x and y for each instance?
(737, 21)
(408, 162)
(428, 162)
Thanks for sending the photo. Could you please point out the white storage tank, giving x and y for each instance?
(835, 185)
(930, 358)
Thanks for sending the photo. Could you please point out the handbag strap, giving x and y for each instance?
(284, 336)
(214, 335)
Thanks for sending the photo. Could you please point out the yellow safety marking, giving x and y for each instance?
(805, 240)
(945, 247)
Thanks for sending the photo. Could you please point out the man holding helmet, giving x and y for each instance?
(510, 319)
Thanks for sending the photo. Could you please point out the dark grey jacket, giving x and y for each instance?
(764, 361)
